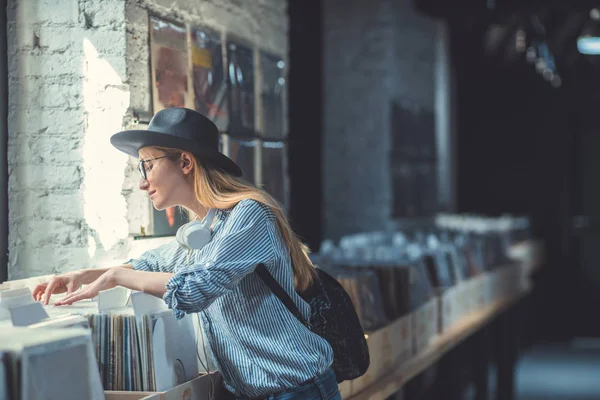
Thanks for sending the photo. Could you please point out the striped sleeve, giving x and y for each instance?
(245, 243)
(156, 260)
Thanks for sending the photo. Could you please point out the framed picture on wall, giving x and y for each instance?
(274, 170)
(240, 77)
(168, 44)
(211, 96)
(272, 95)
(193, 67)
(243, 153)
(170, 88)
(166, 222)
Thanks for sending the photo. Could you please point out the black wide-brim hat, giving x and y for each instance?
(179, 128)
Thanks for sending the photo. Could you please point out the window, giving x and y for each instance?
(236, 84)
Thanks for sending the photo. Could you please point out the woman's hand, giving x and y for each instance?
(104, 282)
(69, 282)
(153, 283)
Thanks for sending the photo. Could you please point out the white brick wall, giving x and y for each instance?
(78, 68)
(63, 57)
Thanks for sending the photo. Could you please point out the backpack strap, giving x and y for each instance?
(281, 294)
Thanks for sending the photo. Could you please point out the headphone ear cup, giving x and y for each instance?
(180, 236)
(197, 236)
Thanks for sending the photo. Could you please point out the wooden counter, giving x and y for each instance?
(445, 342)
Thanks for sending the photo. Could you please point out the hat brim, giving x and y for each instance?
(132, 141)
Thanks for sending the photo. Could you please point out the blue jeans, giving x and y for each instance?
(323, 387)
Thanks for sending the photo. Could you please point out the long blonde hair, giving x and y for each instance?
(217, 189)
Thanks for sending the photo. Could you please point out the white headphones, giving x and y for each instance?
(196, 234)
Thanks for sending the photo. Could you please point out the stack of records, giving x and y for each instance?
(58, 364)
(137, 342)
(139, 346)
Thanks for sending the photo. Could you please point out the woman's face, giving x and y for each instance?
(167, 179)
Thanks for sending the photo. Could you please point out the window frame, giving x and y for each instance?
(141, 122)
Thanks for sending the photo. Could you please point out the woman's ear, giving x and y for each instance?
(186, 163)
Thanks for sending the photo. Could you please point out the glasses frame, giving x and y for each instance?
(142, 169)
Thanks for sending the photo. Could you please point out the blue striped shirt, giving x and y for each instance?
(257, 344)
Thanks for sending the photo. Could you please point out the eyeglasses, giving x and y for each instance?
(142, 168)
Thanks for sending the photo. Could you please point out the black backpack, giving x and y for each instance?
(333, 317)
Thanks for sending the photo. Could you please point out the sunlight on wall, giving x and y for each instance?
(106, 100)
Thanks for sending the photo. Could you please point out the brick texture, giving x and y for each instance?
(63, 57)
(375, 53)
(77, 71)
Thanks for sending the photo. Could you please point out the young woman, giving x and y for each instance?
(260, 348)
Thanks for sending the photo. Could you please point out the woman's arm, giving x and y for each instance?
(150, 282)
(157, 260)
(245, 240)
(144, 273)
(90, 275)
(70, 282)
(153, 283)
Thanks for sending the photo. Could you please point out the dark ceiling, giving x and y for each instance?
(508, 28)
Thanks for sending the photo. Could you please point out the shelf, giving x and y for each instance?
(445, 342)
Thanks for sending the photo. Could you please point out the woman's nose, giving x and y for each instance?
(143, 184)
